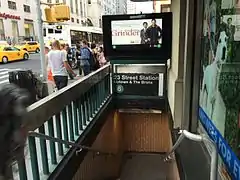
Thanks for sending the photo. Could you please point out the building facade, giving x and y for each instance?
(17, 20)
(161, 6)
(139, 7)
(109, 7)
(84, 23)
(131, 7)
(121, 6)
(95, 10)
(78, 10)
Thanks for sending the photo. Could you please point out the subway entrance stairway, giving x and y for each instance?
(84, 132)
(138, 142)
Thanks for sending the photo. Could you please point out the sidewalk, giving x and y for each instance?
(51, 88)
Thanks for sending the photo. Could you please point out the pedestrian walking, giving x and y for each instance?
(59, 66)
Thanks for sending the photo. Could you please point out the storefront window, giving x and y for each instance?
(29, 30)
(97, 38)
(219, 99)
(15, 32)
(77, 36)
(2, 32)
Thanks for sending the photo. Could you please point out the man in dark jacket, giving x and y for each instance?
(78, 57)
(69, 58)
(143, 33)
(69, 54)
(154, 33)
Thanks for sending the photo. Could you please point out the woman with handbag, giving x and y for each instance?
(50, 79)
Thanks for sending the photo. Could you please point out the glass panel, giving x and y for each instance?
(2, 32)
(15, 32)
(220, 81)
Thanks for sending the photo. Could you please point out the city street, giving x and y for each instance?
(33, 63)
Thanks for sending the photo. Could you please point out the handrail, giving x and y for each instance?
(44, 109)
(198, 138)
(81, 147)
(62, 118)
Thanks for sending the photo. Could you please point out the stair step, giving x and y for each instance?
(141, 166)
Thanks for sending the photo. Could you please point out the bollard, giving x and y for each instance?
(13, 102)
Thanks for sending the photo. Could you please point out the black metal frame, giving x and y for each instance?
(143, 102)
(188, 167)
(126, 52)
(133, 102)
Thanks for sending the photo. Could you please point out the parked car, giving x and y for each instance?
(9, 53)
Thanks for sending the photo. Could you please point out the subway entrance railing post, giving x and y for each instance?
(184, 134)
(62, 116)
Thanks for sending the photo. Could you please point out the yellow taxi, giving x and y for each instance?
(10, 53)
(30, 46)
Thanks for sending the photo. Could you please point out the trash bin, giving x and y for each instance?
(26, 80)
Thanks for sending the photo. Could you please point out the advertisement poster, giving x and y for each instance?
(219, 100)
(234, 21)
(130, 32)
(230, 4)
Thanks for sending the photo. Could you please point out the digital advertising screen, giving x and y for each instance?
(141, 36)
(137, 32)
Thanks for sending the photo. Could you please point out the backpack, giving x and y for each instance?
(78, 54)
(92, 60)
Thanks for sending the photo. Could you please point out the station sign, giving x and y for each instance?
(140, 84)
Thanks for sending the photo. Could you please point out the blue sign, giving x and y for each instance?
(230, 159)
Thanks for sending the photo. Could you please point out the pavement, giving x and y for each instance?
(33, 63)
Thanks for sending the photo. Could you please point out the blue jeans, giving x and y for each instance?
(61, 81)
(86, 69)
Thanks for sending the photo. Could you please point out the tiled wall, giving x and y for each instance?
(137, 132)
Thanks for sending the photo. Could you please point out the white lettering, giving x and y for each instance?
(222, 148)
(214, 134)
(125, 77)
(146, 82)
(229, 157)
(121, 82)
(224, 151)
(136, 82)
(236, 169)
(148, 78)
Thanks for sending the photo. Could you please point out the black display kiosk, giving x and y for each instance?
(138, 47)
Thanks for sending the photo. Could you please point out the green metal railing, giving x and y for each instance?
(63, 115)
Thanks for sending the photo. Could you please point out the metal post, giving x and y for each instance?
(214, 158)
(41, 41)
(198, 138)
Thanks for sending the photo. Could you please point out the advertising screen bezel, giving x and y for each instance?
(138, 51)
